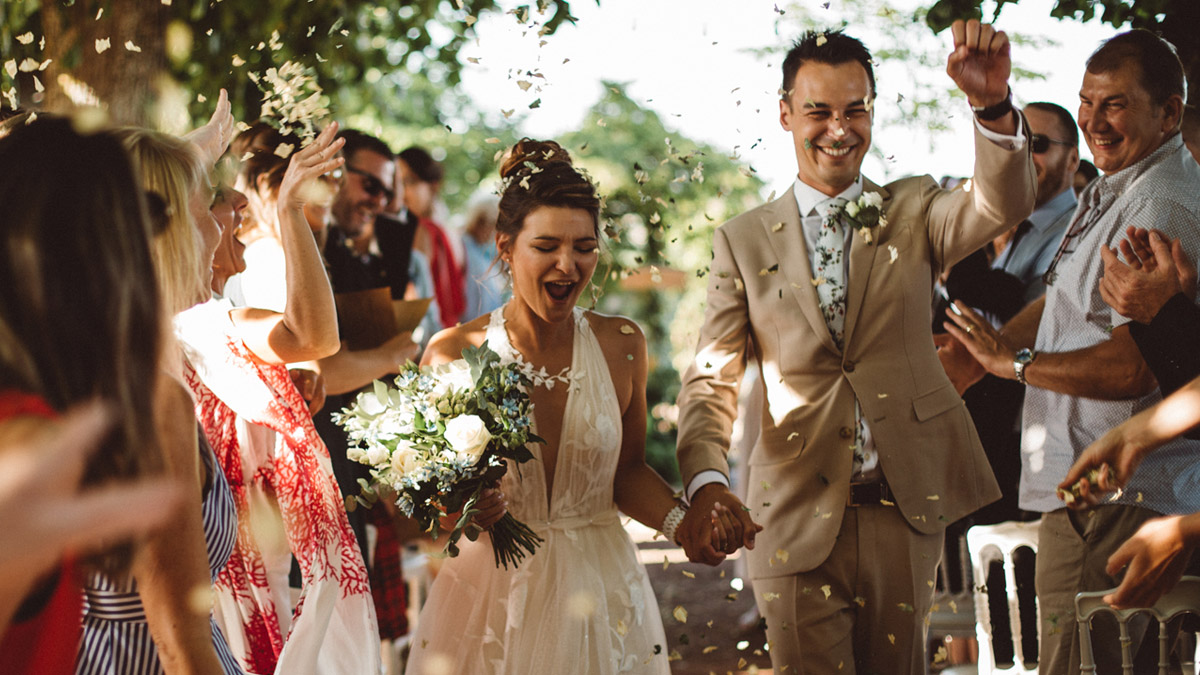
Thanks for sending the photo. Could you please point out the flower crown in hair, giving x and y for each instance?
(528, 170)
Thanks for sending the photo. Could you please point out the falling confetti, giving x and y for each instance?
(25, 38)
(680, 614)
(130, 47)
(103, 45)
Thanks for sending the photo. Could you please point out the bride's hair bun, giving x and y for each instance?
(540, 173)
(536, 153)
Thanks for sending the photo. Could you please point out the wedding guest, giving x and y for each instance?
(422, 178)
(480, 618)
(1155, 556)
(261, 428)
(143, 622)
(47, 512)
(485, 285)
(864, 445)
(79, 321)
(1081, 367)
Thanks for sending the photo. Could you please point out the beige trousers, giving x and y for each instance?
(861, 611)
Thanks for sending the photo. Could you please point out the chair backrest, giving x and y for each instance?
(1183, 599)
(988, 543)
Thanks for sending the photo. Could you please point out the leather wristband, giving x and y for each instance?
(994, 111)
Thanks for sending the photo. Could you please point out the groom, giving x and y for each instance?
(866, 451)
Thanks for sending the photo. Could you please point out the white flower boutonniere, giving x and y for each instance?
(864, 214)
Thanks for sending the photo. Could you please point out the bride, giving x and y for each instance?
(582, 603)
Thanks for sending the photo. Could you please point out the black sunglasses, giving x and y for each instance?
(1042, 143)
(372, 185)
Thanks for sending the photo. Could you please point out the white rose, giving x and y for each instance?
(468, 436)
(852, 209)
(872, 199)
(355, 454)
(453, 376)
(404, 458)
(377, 455)
(368, 404)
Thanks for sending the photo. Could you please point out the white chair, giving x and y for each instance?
(1184, 598)
(988, 543)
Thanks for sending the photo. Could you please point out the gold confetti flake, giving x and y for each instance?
(768, 597)
(524, 84)
(237, 61)
(933, 498)
(130, 47)
(766, 486)
(103, 45)
(25, 38)
(688, 574)
(622, 629)
(626, 329)
(817, 281)
(929, 583)
(827, 590)
(10, 67)
(492, 140)
(782, 555)
(28, 65)
(738, 284)
(680, 614)
(709, 649)
(777, 227)
(674, 656)
(860, 601)
(470, 21)
(941, 654)
(882, 395)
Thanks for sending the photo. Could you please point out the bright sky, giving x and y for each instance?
(690, 61)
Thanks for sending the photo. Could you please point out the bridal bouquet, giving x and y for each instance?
(439, 437)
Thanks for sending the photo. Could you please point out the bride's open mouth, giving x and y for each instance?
(559, 290)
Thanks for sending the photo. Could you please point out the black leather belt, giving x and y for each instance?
(863, 494)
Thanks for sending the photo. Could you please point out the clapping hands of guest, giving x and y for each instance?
(1155, 269)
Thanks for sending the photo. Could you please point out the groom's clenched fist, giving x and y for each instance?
(980, 65)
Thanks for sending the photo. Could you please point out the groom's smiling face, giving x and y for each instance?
(828, 112)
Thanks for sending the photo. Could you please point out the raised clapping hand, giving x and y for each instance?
(305, 166)
(980, 63)
(213, 138)
(715, 525)
(1156, 269)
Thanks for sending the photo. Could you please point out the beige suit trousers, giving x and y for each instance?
(861, 611)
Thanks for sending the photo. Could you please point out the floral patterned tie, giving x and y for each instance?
(829, 275)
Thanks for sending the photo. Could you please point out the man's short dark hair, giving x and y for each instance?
(357, 140)
(1088, 170)
(1064, 120)
(831, 47)
(1156, 59)
(422, 163)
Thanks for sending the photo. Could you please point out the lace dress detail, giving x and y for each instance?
(582, 603)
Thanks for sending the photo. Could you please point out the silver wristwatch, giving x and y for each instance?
(1021, 360)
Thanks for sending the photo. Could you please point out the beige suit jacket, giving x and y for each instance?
(760, 287)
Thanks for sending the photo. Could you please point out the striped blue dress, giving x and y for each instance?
(116, 638)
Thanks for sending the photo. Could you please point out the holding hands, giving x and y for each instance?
(716, 525)
(1157, 269)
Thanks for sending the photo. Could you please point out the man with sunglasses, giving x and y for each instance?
(1078, 358)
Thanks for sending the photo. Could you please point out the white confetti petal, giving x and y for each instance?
(129, 46)
(10, 67)
(28, 66)
(25, 38)
(103, 45)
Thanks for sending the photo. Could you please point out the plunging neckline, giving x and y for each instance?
(551, 488)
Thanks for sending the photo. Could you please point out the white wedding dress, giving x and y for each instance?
(582, 604)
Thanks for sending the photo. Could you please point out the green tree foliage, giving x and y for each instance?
(189, 48)
(1176, 20)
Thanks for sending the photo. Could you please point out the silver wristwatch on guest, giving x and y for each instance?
(1021, 361)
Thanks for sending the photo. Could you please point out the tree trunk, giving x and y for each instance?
(124, 81)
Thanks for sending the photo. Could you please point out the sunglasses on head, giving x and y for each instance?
(1041, 143)
(372, 185)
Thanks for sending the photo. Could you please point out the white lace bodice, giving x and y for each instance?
(590, 444)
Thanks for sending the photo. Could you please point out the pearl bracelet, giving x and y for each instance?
(672, 521)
